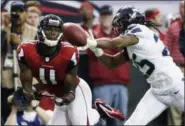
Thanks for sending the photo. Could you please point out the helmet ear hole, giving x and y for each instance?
(39, 35)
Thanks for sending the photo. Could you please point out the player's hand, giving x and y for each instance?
(92, 45)
(29, 95)
(65, 100)
(91, 42)
(34, 103)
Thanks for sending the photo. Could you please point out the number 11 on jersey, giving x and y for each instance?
(52, 74)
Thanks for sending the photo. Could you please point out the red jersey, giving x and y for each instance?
(117, 76)
(172, 41)
(50, 72)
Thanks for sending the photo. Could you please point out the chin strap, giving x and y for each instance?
(51, 43)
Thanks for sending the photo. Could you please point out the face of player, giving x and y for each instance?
(106, 21)
(181, 9)
(52, 33)
(32, 18)
(118, 27)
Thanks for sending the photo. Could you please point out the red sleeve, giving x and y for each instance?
(21, 54)
(75, 57)
(73, 61)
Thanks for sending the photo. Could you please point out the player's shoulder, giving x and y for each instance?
(29, 43)
(68, 46)
(68, 49)
(138, 30)
(70, 52)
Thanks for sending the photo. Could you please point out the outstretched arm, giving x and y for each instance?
(113, 61)
(115, 43)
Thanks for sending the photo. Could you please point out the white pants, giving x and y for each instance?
(79, 112)
(153, 104)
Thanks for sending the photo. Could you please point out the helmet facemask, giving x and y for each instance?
(118, 26)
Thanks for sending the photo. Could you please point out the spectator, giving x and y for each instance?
(19, 31)
(86, 12)
(26, 113)
(5, 24)
(154, 15)
(33, 16)
(172, 40)
(33, 13)
(5, 20)
(110, 85)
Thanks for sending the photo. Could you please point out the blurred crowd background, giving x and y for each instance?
(122, 88)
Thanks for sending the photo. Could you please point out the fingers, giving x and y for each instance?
(92, 42)
(82, 48)
(91, 34)
(35, 102)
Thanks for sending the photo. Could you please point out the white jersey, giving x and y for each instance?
(153, 58)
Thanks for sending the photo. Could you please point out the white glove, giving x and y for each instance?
(92, 44)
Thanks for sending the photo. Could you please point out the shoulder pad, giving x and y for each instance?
(67, 44)
(136, 29)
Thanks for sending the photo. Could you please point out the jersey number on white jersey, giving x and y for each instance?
(147, 66)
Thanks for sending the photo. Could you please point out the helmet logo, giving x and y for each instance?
(53, 22)
(132, 16)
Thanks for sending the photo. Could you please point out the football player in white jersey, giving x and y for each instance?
(146, 51)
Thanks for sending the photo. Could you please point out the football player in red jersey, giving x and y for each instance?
(54, 63)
